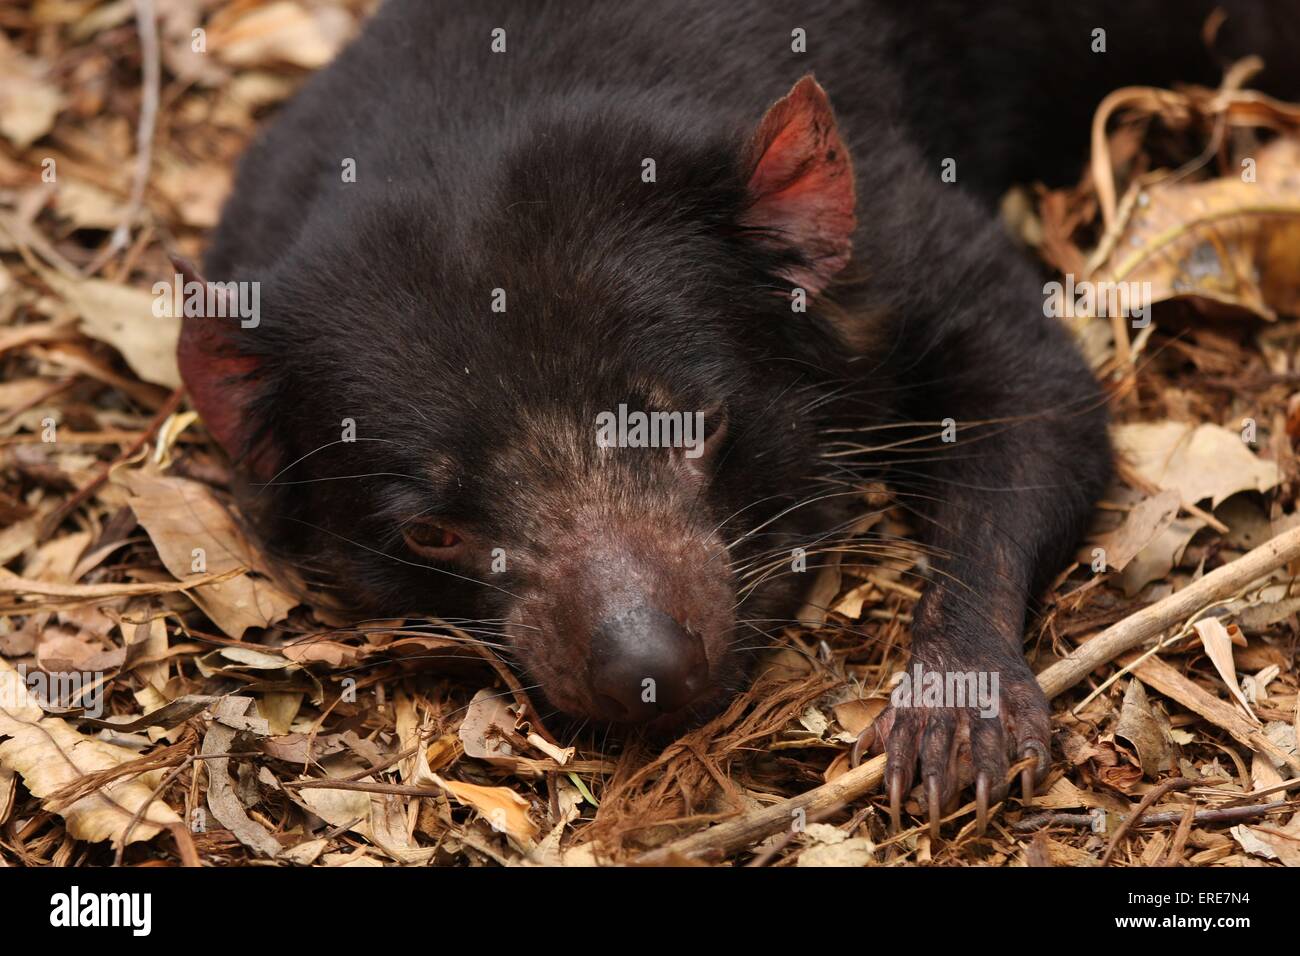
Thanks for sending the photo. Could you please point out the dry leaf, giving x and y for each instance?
(831, 846)
(415, 769)
(197, 193)
(8, 788)
(1160, 556)
(124, 317)
(387, 830)
(338, 808)
(1204, 461)
(182, 516)
(222, 798)
(280, 32)
(380, 818)
(1144, 522)
(1283, 841)
(488, 719)
(1144, 731)
(502, 807)
(87, 206)
(856, 715)
(49, 754)
(28, 100)
(826, 583)
(279, 708)
(1218, 647)
(851, 602)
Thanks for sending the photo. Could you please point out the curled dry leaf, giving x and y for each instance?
(1141, 727)
(502, 807)
(483, 733)
(49, 755)
(223, 801)
(1217, 642)
(415, 769)
(167, 716)
(1228, 241)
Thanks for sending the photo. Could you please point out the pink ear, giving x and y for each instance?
(221, 382)
(801, 185)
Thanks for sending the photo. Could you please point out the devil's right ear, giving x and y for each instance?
(224, 382)
(800, 191)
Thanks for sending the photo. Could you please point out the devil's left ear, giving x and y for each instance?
(223, 380)
(800, 189)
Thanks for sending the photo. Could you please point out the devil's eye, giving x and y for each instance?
(430, 538)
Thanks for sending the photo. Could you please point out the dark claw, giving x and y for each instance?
(1027, 784)
(895, 802)
(932, 798)
(855, 755)
(982, 803)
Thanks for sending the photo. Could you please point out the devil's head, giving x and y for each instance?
(576, 403)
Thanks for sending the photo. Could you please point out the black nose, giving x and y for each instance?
(643, 664)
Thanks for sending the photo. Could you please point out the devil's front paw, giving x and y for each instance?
(961, 720)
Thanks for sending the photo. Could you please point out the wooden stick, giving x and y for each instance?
(1165, 613)
(746, 829)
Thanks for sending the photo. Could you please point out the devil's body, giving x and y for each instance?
(439, 169)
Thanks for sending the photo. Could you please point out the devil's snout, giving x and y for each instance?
(644, 664)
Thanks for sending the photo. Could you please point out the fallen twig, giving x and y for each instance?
(750, 827)
(401, 790)
(151, 79)
(1169, 611)
(1219, 815)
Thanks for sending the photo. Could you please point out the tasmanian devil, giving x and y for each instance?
(490, 229)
